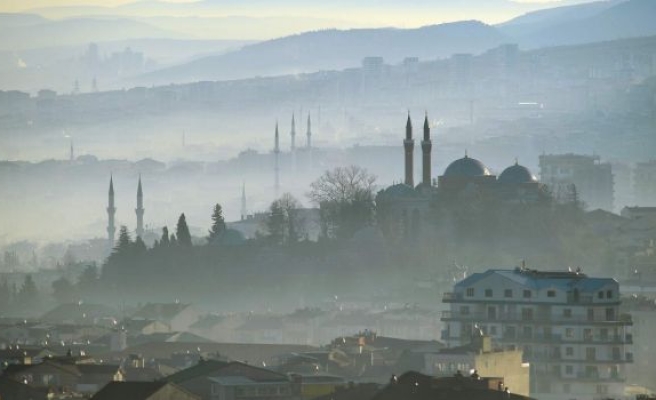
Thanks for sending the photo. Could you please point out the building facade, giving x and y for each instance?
(567, 324)
(592, 178)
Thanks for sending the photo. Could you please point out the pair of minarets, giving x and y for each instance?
(276, 150)
(111, 211)
(426, 147)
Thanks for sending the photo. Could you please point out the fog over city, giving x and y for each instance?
(459, 195)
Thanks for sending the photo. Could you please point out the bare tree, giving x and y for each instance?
(345, 196)
(284, 224)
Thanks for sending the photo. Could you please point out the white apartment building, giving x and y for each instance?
(567, 324)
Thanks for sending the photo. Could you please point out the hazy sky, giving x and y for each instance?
(416, 12)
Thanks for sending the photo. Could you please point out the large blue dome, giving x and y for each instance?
(466, 168)
(517, 174)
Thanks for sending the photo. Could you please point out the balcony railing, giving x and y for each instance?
(624, 319)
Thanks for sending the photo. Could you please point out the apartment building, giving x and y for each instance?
(567, 324)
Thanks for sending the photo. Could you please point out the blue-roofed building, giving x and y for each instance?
(567, 324)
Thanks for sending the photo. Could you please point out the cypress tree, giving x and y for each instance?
(218, 224)
(182, 232)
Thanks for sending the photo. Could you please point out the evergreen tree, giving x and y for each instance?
(182, 232)
(218, 224)
(63, 290)
(5, 295)
(172, 240)
(124, 241)
(139, 246)
(28, 293)
(164, 241)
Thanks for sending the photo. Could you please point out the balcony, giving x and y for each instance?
(540, 318)
(448, 297)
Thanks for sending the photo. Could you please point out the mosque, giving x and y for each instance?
(404, 207)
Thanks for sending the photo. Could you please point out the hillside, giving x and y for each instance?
(335, 49)
(626, 19)
(24, 31)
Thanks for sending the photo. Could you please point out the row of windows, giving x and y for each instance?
(527, 294)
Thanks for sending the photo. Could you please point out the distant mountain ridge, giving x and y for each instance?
(587, 23)
(24, 31)
(336, 49)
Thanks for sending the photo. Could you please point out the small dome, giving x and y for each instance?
(466, 167)
(517, 174)
(399, 190)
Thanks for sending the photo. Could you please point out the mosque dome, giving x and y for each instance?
(466, 168)
(517, 174)
(399, 190)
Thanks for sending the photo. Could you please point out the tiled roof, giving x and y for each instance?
(541, 279)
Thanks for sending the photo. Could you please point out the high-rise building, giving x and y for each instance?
(567, 324)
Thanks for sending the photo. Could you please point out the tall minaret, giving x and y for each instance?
(111, 210)
(309, 141)
(293, 148)
(426, 147)
(276, 153)
(409, 146)
(293, 133)
(140, 210)
(309, 132)
(243, 201)
(72, 153)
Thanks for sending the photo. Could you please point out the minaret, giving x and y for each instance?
(276, 153)
(309, 132)
(140, 210)
(309, 141)
(426, 147)
(293, 148)
(409, 145)
(111, 210)
(243, 201)
(72, 153)
(293, 133)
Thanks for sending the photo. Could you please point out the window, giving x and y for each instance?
(590, 314)
(603, 334)
(493, 330)
(569, 351)
(600, 295)
(566, 388)
(610, 314)
(527, 314)
(617, 356)
(569, 370)
(527, 332)
(464, 310)
(567, 312)
(488, 292)
(470, 292)
(551, 293)
(602, 389)
(590, 353)
(609, 294)
(569, 332)
(507, 293)
(587, 334)
(527, 294)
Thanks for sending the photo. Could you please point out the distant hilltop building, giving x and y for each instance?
(644, 181)
(404, 207)
(592, 179)
(567, 324)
